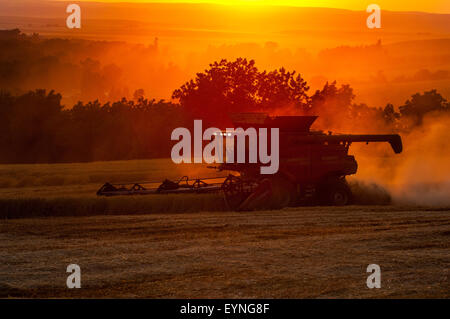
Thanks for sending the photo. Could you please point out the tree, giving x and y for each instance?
(30, 127)
(420, 104)
(390, 116)
(332, 104)
(138, 95)
(233, 87)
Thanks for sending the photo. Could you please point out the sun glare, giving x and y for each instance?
(436, 6)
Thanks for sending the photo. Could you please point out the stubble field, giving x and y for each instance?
(191, 247)
(319, 252)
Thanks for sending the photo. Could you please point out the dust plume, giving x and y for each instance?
(421, 174)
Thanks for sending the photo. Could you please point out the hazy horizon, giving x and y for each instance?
(322, 44)
(432, 7)
(436, 6)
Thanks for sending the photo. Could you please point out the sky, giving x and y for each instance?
(437, 6)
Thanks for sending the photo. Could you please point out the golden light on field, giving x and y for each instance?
(437, 6)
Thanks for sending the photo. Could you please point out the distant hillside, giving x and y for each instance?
(203, 24)
(163, 45)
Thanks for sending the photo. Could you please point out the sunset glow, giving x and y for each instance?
(437, 6)
(199, 151)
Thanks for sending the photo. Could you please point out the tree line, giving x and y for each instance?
(36, 128)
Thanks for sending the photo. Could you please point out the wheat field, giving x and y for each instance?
(189, 246)
(42, 190)
(309, 252)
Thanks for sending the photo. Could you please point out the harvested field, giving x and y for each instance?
(311, 252)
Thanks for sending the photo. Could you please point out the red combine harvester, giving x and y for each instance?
(312, 168)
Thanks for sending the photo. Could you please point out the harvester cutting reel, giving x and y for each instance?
(182, 186)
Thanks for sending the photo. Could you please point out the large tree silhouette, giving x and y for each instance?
(238, 86)
(421, 104)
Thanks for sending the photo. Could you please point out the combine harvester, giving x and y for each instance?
(312, 169)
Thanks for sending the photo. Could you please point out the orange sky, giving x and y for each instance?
(438, 6)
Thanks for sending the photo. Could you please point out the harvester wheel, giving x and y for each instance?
(259, 198)
(282, 192)
(336, 192)
(233, 191)
(272, 193)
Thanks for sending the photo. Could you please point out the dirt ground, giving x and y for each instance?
(311, 252)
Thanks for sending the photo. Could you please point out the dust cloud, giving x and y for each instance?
(418, 176)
